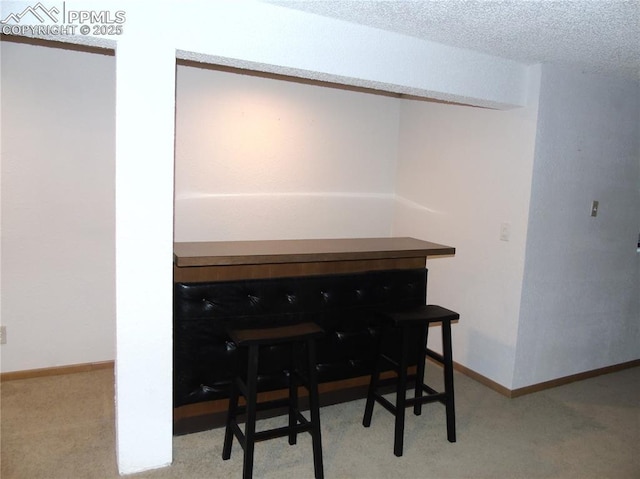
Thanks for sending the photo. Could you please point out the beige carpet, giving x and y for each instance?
(63, 427)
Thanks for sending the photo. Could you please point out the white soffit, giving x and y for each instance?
(598, 36)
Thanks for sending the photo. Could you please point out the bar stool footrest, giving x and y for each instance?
(438, 397)
(384, 402)
(436, 356)
(281, 431)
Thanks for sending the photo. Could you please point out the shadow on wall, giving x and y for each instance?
(490, 358)
(412, 205)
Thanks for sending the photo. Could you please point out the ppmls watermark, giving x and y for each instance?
(39, 19)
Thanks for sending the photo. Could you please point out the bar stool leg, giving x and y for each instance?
(422, 357)
(401, 392)
(252, 398)
(448, 380)
(293, 397)
(231, 419)
(373, 382)
(314, 410)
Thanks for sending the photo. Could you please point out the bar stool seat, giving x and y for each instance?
(405, 322)
(297, 335)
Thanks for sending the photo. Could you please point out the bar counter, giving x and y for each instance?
(226, 260)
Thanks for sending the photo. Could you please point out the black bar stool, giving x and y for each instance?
(405, 323)
(253, 339)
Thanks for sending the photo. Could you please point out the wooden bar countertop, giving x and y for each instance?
(224, 253)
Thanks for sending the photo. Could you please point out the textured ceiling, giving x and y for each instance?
(596, 35)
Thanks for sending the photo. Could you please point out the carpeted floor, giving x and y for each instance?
(62, 427)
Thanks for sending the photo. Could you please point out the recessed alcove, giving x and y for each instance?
(268, 156)
(264, 156)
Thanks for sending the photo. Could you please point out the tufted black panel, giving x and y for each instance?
(342, 304)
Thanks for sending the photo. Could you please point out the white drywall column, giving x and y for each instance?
(145, 104)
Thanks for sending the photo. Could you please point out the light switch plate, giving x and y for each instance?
(594, 208)
(505, 231)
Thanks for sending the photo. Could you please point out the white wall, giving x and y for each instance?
(260, 158)
(581, 295)
(58, 242)
(462, 172)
